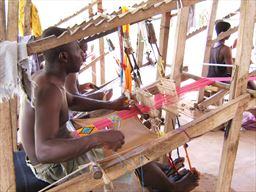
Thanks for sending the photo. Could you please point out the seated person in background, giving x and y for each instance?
(220, 53)
(72, 84)
(52, 152)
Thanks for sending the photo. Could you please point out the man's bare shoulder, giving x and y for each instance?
(46, 88)
(225, 50)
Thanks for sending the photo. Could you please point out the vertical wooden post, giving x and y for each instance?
(2, 20)
(164, 37)
(238, 87)
(7, 174)
(12, 24)
(179, 51)
(90, 12)
(8, 110)
(208, 45)
(11, 35)
(140, 49)
(27, 18)
(101, 49)
(179, 44)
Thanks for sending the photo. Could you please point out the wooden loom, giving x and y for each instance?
(208, 121)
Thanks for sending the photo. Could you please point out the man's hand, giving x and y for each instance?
(111, 139)
(120, 104)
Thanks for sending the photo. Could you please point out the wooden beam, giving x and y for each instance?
(7, 175)
(102, 61)
(2, 20)
(12, 34)
(140, 49)
(27, 17)
(217, 84)
(12, 20)
(164, 37)
(101, 49)
(211, 100)
(179, 44)
(208, 45)
(225, 34)
(136, 15)
(238, 87)
(179, 52)
(8, 115)
(153, 150)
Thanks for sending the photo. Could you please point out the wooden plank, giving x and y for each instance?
(140, 49)
(101, 49)
(2, 20)
(225, 34)
(179, 52)
(142, 14)
(179, 44)
(7, 175)
(27, 17)
(208, 45)
(153, 150)
(12, 34)
(217, 84)
(102, 61)
(164, 37)
(211, 100)
(238, 87)
(13, 15)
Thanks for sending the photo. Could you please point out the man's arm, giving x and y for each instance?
(49, 146)
(79, 103)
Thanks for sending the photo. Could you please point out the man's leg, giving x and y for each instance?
(154, 178)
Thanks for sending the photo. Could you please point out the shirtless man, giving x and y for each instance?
(43, 128)
(51, 151)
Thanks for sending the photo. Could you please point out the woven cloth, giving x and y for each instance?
(8, 70)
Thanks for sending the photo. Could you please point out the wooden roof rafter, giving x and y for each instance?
(140, 13)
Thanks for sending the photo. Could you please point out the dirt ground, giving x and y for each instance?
(205, 154)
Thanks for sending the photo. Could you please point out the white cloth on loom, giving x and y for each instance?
(10, 53)
(8, 70)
